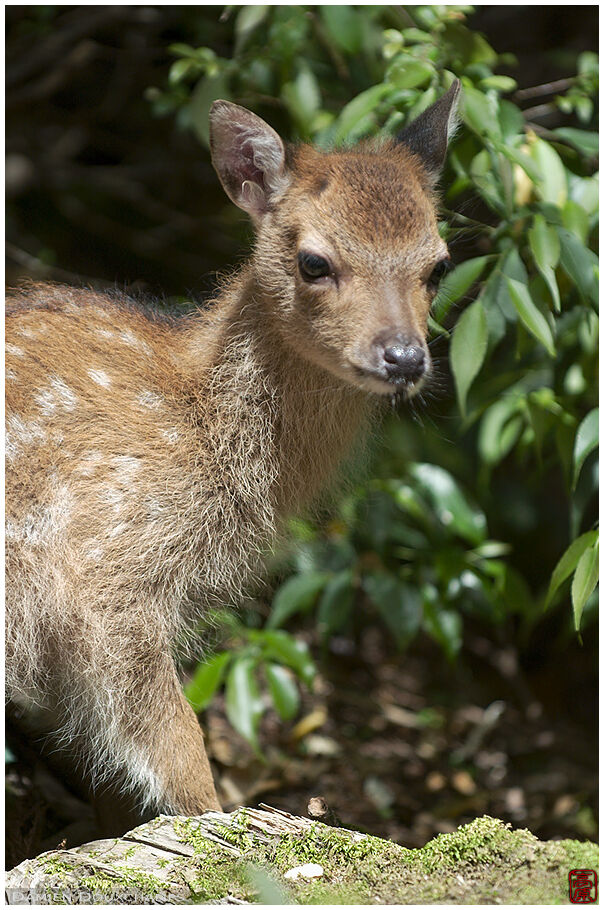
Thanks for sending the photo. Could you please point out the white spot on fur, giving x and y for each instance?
(58, 393)
(100, 377)
(26, 332)
(106, 333)
(96, 554)
(118, 529)
(171, 435)
(102, 314)
(127, 464)
(66, 396)
(10, 374)
(90, 463)
(46, 401)
(150, 399)
(128, 337)
(20, 433)
(14, 349)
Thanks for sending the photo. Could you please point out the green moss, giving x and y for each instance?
(59, 867)
(191, 832)
(483, 841)
(484, 862)
(124, 877)
(329, 846)
(103, 881)
(223, 875)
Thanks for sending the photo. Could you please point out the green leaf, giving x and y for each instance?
(586, 441)
(445, 627)
(283, 690)
(355, 110)
(532, 318)
(208, 676)
(500, 428)
(468, 349)
(206, 91)
(266, 888)
(297, 595)
(407, 72)
(568, 562)
(584, 581)
(499, 83)
(487, 181)
(451, 506)
(520, 158)
(588, 64)
(553, 185)
(511, 120)
(585, 191)
(580, 264)
(303, 97)
(576, 220)
(336, 604)
(456, 284)
(182, 50)
(399, 604)
(345, 27)
(181, 69)
(545, 246)
(248, 19)
(243, 703)
(586, 141)
(480, 112)
(278, 645)
(545, 243)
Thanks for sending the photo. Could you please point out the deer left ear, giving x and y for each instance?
(427, 136)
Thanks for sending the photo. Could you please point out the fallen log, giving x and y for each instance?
(268, 856)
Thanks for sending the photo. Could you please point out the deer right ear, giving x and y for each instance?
(427, 136)
(248, 156)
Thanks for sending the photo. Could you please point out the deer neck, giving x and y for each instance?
(283, 423)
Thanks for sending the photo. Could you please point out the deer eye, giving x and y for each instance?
(312, 266)
(438, 273)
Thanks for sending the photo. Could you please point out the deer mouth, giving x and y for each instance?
(380, 383)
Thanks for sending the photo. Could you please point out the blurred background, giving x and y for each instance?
(425, 649)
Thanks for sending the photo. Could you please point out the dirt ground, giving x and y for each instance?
(406, 746)
(402, 746)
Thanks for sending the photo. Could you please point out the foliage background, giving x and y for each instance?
(464, 523)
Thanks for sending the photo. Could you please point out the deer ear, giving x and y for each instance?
(248, 156)
(429, 134)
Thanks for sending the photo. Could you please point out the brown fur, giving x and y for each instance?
(151, 461)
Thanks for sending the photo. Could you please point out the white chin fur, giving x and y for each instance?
(382, 387)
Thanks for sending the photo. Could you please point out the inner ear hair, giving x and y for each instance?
(248, 155)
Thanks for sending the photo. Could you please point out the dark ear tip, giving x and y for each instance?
(455, 89)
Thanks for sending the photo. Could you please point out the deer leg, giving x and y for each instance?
(139, 740)
(171, 769)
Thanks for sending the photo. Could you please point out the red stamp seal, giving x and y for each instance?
(583, 886)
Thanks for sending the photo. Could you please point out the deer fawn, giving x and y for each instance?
(151, 460)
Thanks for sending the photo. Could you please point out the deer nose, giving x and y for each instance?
(404, 359)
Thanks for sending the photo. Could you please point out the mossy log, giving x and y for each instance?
(267, 856)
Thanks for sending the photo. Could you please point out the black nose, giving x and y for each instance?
(404, 359)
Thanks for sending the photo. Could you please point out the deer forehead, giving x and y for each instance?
(367, 203)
